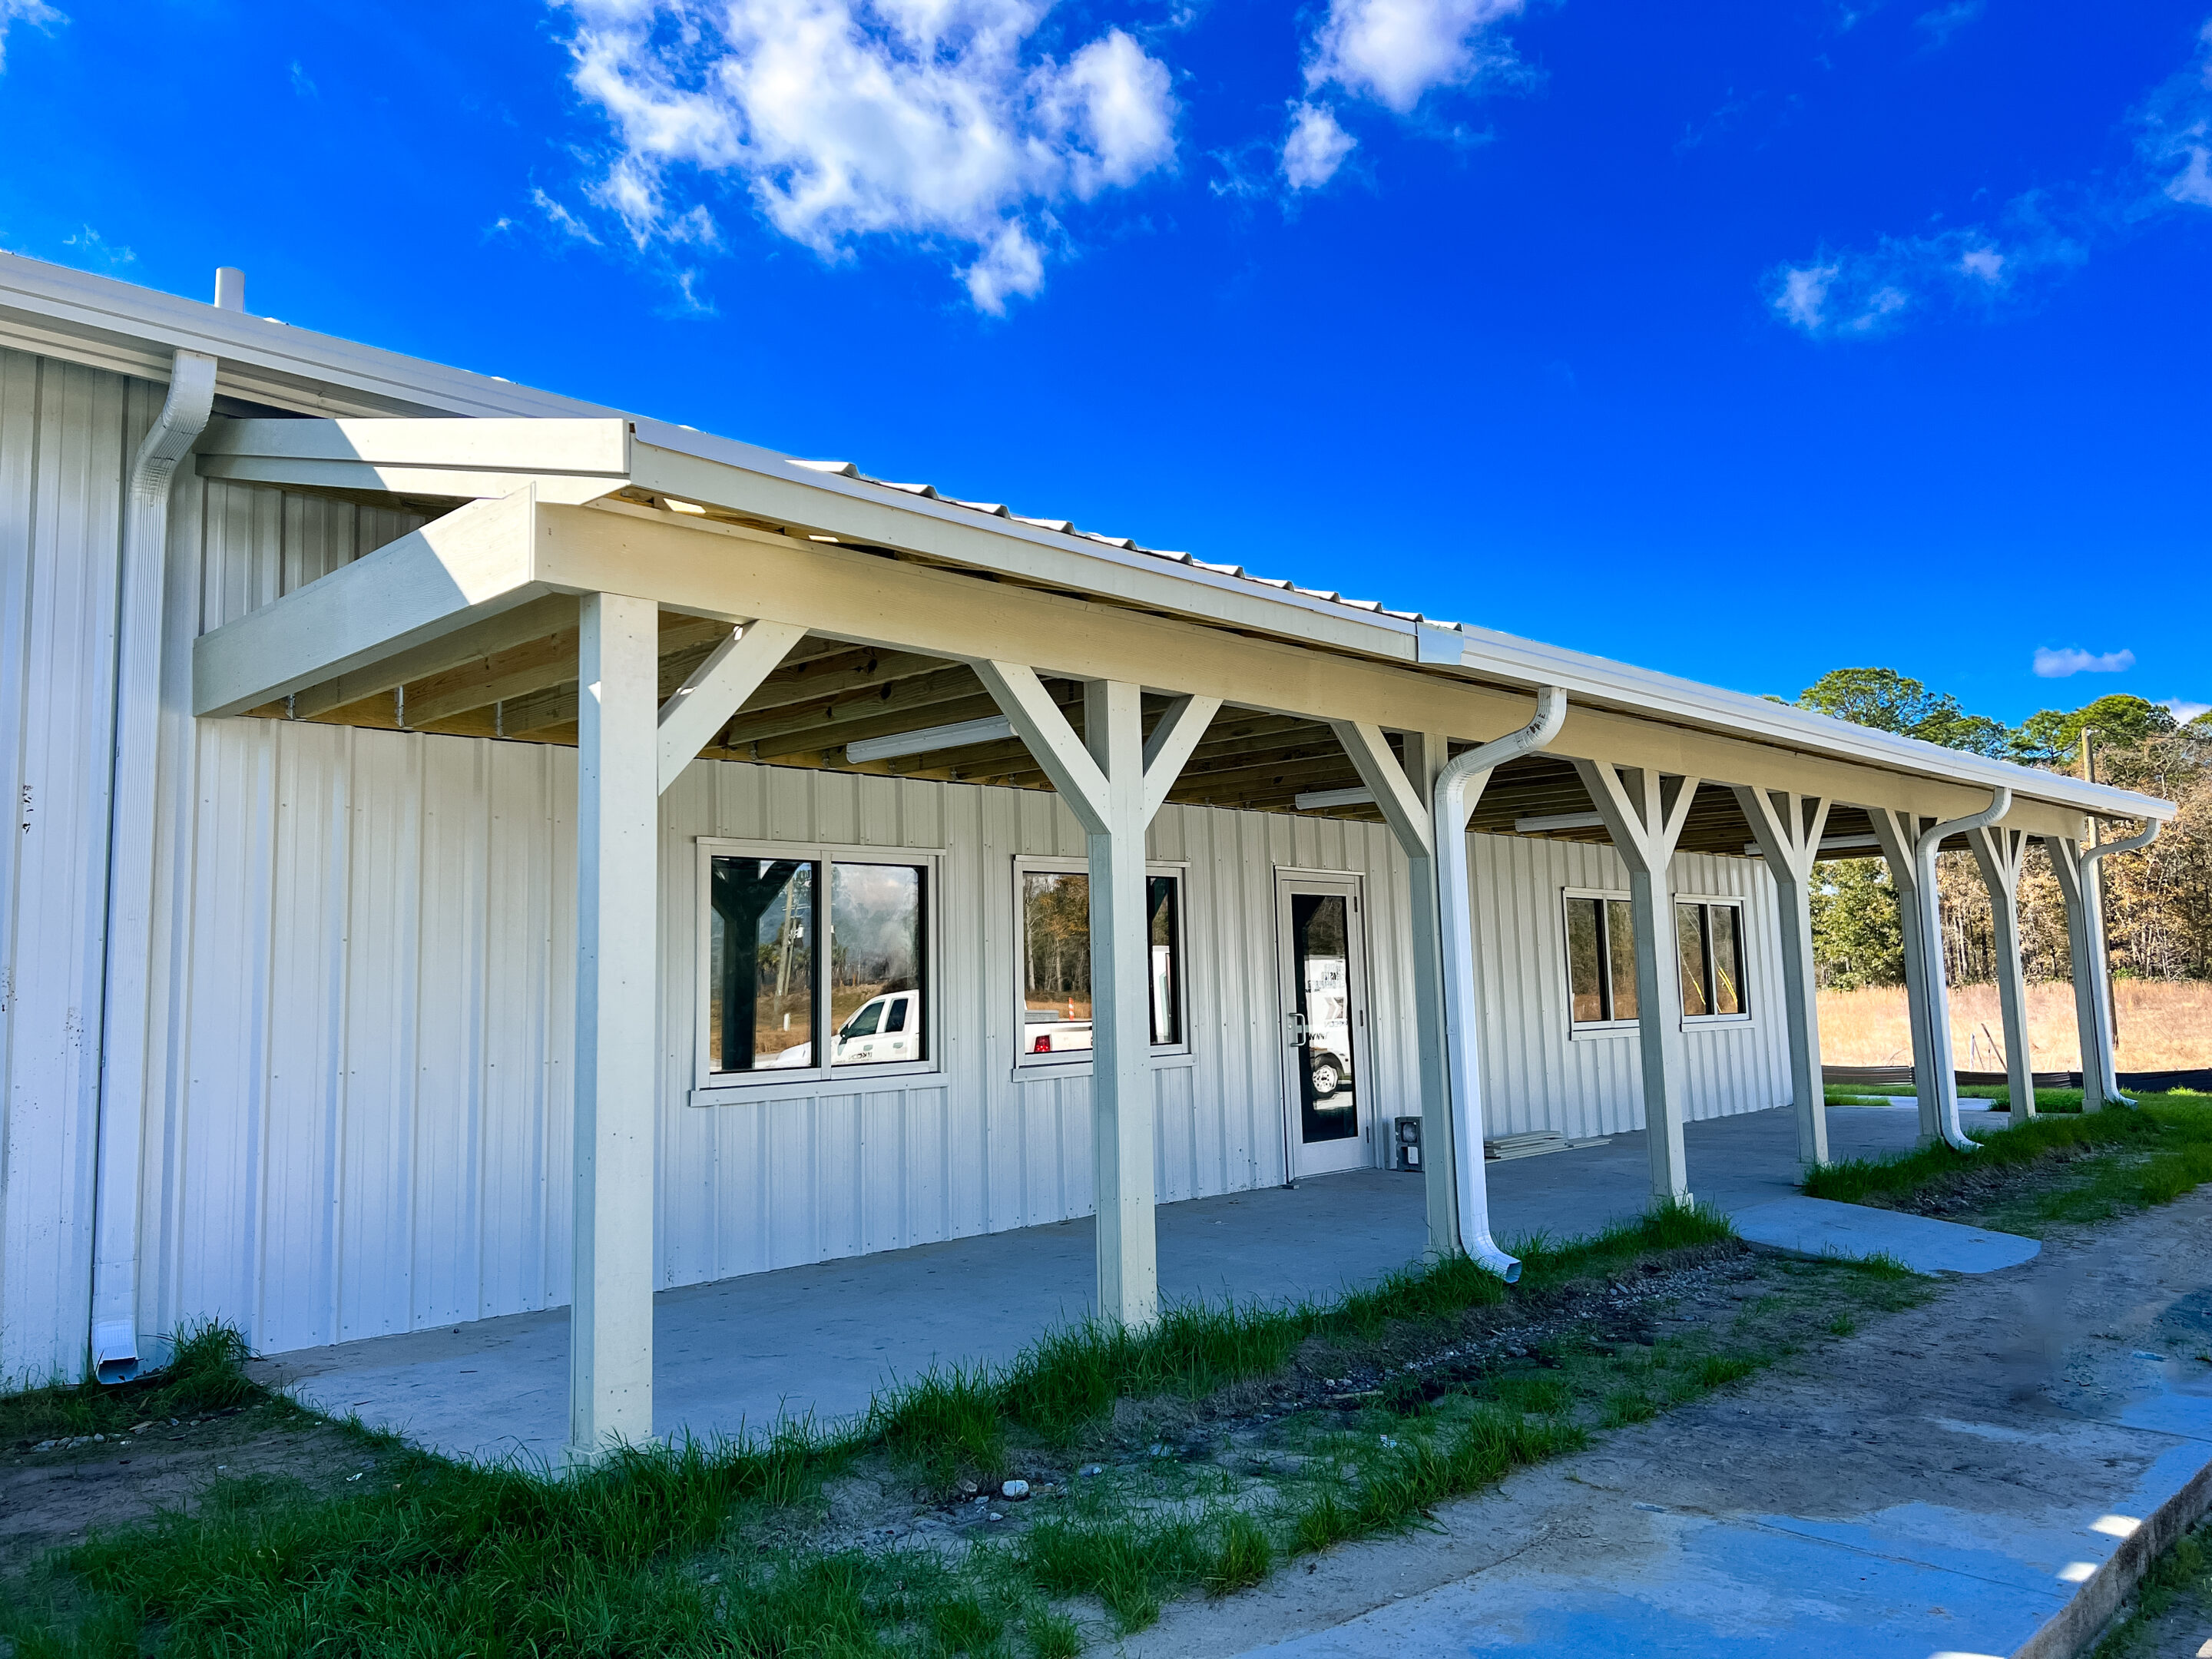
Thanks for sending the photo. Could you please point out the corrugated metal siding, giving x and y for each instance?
(67, 433)
(1535, 1076)
(364, 1003)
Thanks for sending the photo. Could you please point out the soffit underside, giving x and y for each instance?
(828, 694)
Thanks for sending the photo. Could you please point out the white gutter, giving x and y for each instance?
(2093, 898)
(1459, 785)
(134, 731)
(1932, 956)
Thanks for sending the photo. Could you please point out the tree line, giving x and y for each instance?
(2158, 902)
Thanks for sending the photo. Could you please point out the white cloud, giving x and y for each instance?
(1391, 52)
(850, 118)
(36, 13)
(2173, 137)
(1316, 148)
(2040, 234)
(559, 217)
(1859, 294)
(2184, 710)
(2051, 665)
(1396, 52)
(1945, 22)
(92, 248)
(303, 84)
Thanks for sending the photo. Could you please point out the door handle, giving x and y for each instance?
(1300, 1033)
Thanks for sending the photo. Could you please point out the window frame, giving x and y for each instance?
(1025, 864)
(816, 1080)
(1733, 902)
(1584, 1029)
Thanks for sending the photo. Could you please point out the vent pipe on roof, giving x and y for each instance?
(230, 288)
(134, 736)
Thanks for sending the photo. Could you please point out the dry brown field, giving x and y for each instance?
(2164, 1025)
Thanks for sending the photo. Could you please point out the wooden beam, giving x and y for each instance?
(702, 704)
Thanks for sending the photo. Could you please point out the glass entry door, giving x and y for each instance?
(1319, 932)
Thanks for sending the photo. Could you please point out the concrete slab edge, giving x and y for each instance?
(2074, 1628)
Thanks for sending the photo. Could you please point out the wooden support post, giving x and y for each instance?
(1998, 852)
(1644, 812)
(1925, 1003)
(1405, 796)
(1121, 1011)
(1787, 828)
(2077, 886)
(610, 1317)
(1113, 781)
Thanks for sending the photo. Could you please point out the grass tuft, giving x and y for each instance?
(206, 1373)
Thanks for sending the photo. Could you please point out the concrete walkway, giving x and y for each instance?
(1941, 1484)
(816, 1341)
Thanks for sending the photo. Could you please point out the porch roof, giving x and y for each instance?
(459, 444)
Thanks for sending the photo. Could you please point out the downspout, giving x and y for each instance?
(2092, 901)
(1463, 1056)
(135, 731)
(1931, 955)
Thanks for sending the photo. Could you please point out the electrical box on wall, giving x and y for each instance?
(1409, 1144)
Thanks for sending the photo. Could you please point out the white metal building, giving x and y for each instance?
(445, 810)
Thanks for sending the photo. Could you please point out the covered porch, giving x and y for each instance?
(654, 599)
(814, 1343)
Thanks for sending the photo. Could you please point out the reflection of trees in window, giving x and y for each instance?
(764, 939)
(1712, 939)
(1056, 942)
(1601, 961)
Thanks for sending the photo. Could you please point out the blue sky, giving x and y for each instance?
(1739, 340)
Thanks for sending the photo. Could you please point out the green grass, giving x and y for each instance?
(688, 1549)
(2069, 1168)
(2046, 1100)
(2178, 1583)
(206, 1374)
(1840, 1094)
(959, 1424)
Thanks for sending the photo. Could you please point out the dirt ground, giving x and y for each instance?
(1999, 1399)
(52, 1499)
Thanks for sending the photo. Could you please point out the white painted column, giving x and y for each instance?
(1898, 832)
(1120, 1012)
(2081, 941)
(1426, 754)
(1998, 852)
(617, 797)
(1406, 795)
(1644, 813)
(1114, 779)
(1787, 829)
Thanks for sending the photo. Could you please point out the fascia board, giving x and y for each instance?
(853, 507)
(772, 486)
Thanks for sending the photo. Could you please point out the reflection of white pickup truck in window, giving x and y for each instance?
(881, 1031)
(1048, 1031)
